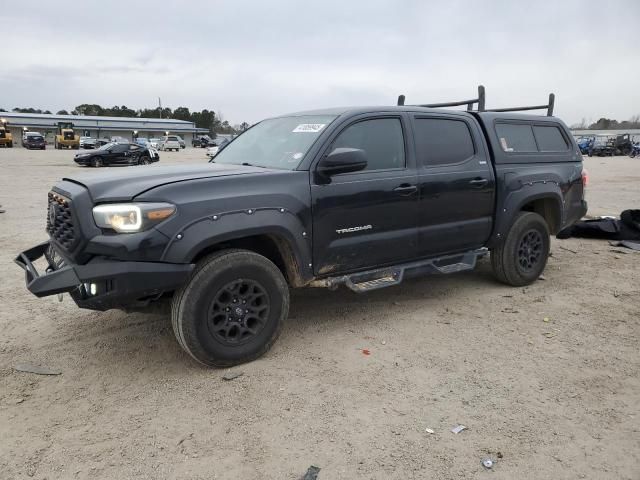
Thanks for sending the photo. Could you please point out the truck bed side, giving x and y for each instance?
(531, 175)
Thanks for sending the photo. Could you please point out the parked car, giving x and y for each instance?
(102, 141)
(88, 143)
(203, 141)
(142, 141)
(118, 154)
(360, 197)
(635, 150)
(218, 145)
(118, 139)
(623, 144)
(602, 145)
(169, 142)
(584, 144)
(155, 143)
(181, 142)
(33, 140)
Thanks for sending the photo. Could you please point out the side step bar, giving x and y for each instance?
(386, 277)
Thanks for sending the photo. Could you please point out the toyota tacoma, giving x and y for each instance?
(360, 197)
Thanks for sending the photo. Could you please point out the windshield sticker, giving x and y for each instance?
(309, 128)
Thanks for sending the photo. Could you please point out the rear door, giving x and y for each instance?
(367, 218)
(456, 184)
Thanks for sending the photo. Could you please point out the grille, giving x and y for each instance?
(60, 221)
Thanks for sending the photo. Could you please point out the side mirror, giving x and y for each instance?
(342, 160)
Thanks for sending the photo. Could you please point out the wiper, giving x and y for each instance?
(247, 164)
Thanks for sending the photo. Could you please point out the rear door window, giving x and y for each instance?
(442, 141)
(550, 138)
(516, 137)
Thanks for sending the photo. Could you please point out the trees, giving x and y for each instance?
(203, 119)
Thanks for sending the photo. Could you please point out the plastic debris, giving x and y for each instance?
(487, 463)
(30, 368)
(366, 352)
(429, 431)
(232, 375)
(458, 428)
(312, 473)
(542, 277)
(545, 319)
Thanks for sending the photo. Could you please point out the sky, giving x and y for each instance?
(252, 59)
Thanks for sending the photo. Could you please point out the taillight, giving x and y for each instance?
(585, 178)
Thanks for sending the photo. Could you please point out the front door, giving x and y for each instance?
(456, 184)
(368, 218)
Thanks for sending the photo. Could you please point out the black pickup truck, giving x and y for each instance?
(361, 197)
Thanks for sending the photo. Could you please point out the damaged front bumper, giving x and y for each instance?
(101, 283)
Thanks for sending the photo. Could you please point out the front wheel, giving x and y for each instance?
(144, 161)
(96, 162)
(521, 258)
(232, 309)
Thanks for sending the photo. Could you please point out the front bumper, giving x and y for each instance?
(101, 283)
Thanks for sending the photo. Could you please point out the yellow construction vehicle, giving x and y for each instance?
(66, 137)
(6, 139)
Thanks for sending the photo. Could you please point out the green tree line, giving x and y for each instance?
(608, 124)
(202, 119)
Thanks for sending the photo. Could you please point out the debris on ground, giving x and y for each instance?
(548, 334)
(487, 463)
(232, 375)
(38, 370)
(545, 319)
(182, 440)
(567, 249)
(365, 351)
(429, 431)
(312, 473)
(627, 244)
(542, 277)
(458, 428)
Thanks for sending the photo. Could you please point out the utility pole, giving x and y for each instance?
(160, 106)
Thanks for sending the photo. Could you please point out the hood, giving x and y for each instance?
(123, 184)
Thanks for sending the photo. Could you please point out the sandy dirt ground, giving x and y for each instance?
(555, 399)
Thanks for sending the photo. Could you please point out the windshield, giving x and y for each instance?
(107, 146)
(275, 143)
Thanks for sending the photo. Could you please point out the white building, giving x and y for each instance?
(99, 127)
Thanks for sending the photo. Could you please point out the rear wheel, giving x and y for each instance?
(97, 162)
(10, 145)
(523, 255)
(231, 310)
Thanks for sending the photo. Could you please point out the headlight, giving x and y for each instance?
(131, 217)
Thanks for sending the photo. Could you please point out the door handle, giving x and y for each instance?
(478, 182)
(405, 189)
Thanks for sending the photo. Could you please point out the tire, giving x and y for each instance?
(203, 311)
(522, 257)
(97, 162)
(10, 145)
(144, 161)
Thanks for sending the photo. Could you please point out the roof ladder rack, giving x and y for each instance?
(481, 104)
(549, 107)
(469, 103)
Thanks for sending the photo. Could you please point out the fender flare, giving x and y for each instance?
(277, 222)
(517, 199)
